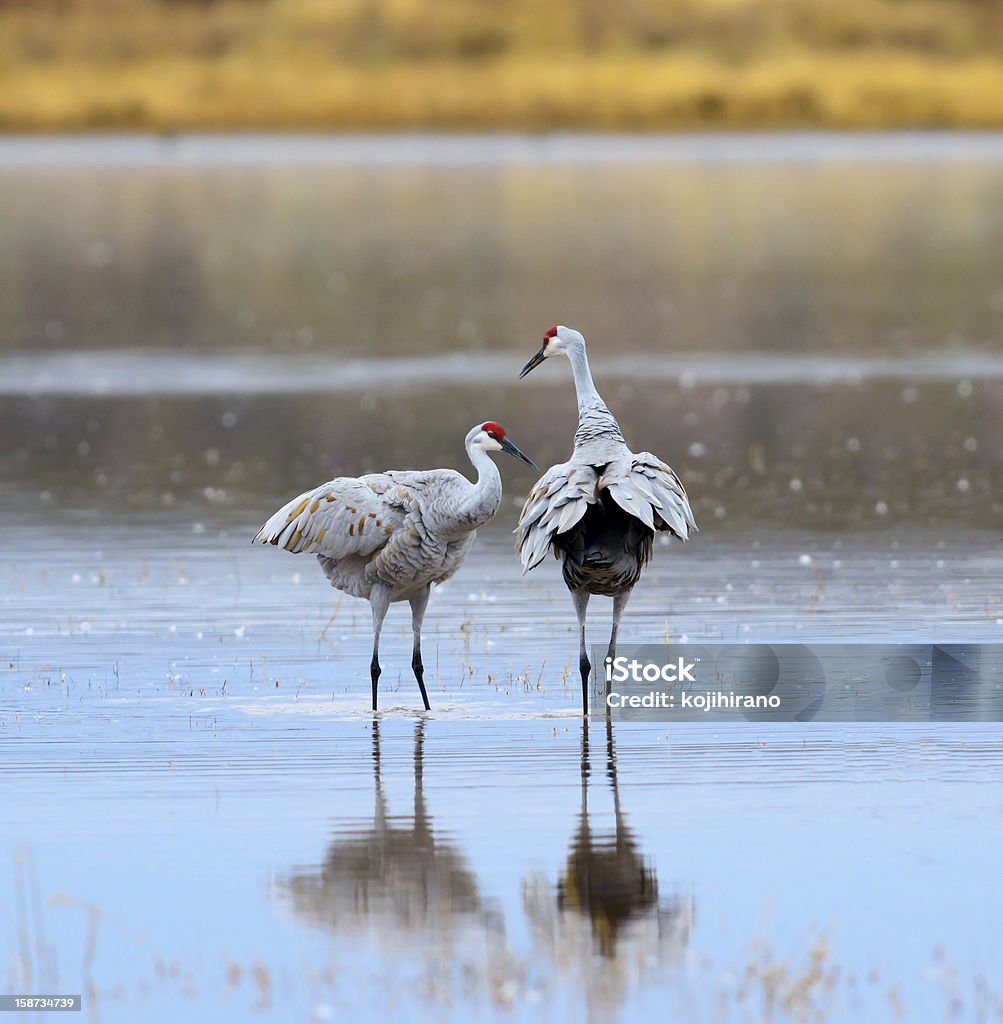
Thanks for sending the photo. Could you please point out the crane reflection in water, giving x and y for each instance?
(403, 883)
(396, 878)
(606, 917)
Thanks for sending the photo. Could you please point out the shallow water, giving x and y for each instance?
(202, 818)
(188, 751)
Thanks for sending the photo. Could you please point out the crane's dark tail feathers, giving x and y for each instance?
(606, 550)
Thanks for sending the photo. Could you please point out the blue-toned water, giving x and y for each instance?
(202, 819)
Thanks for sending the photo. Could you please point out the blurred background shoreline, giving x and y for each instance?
(386, 65)
(806, 324)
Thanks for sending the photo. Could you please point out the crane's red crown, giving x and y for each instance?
(492, 429)
(552, 333)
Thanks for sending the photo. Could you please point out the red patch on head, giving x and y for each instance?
(492, 429)
(552, 333)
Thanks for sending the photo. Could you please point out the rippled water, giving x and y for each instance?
(203, 821)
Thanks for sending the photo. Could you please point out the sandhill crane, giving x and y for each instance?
(389, 536)
(600, 509)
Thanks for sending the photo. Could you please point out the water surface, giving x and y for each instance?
(204, 821)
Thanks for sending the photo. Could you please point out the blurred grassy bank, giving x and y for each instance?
(482, 64)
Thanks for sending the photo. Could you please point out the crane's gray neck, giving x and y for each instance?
(588, 397)
(485, 495)
(595, 421)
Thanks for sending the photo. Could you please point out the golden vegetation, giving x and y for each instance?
(521, 64)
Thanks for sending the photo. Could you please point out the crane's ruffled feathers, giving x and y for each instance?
(340, 518)
(401, 528)
(641, 485)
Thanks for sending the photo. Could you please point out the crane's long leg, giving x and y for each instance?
(380, 601)
(619, 603)
(581, 599)
(418, 605)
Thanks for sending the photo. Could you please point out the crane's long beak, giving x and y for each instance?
(507, 446)
(534, 362)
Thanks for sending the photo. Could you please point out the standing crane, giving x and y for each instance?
(388, 537)
(599, 510)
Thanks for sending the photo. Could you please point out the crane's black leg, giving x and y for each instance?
(418, 605)
(380, 601)
(581, 599)
(619, 603)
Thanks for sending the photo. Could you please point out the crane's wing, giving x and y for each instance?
(640, 484)
(649, 490)
(343, 517)
(557, 502)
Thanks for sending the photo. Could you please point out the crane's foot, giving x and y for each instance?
(585, 667)
(419, 673)
(374, 672)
